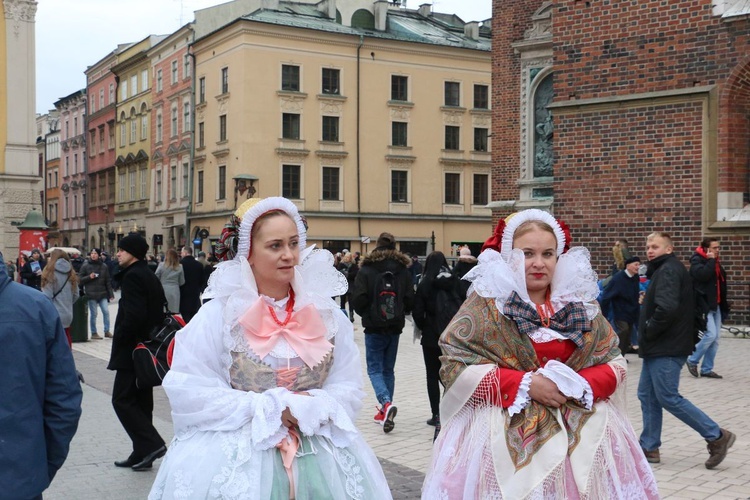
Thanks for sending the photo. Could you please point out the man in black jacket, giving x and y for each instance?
(710, 285)
(665, 340)
(31, 271)
(141, 308)
(622, 293)
(383, 314)
(190, 292)
(94, 276)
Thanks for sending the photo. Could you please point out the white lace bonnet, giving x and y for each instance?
(514, 221)
(252, 209)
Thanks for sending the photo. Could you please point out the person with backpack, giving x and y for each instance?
(437, 300)
(60, 285)
(383, 295)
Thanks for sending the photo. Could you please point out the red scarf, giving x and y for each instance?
(719, 278)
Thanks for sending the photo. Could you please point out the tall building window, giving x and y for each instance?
(174, 72)
(452, 135)
(452, 94)
(122, 186)
(173, 120)
(144, 126)
(480, 139)
(92, 142)
(67, 166)
(224, 80)
(132, 185)
(75, 163)
(222, 128)
(331, 128)
(173, 183)
(200, 187)
(481, 96)
(133, 128)
(65, 207)
(452, 189)
(133, 84)
(290, 78)
(186, 69)
(144, 182)
(185, 180)
(201, 135)
(290, 181)
(159, 126)
(399, 88)
(75, 205)
(399, 179)
(101, 139)
(481, 189)
(186, 116)
(331, 85)
(144, 79)
(123, 134)
(75, 125)
(202, 90)
(158, 186)
(123, 89)
(159, 82)
(111, 135)
(290, 125)
(222, 192)
(111, 93)
(331, 183)
(399, 134)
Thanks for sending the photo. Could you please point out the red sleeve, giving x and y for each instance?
(602, 380)
(500, 387)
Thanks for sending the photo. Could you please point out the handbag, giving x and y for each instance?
(153, 358)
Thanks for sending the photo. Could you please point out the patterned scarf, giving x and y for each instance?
(479, 334)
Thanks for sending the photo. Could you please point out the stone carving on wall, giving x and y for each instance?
(330, 107)
(18, 11)
(452, 117)
(400, 113)
(291, 104)
(543, 128)
(529, 69)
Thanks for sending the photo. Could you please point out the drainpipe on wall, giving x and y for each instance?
(359, 185)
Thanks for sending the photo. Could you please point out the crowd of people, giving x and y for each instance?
(524, 356)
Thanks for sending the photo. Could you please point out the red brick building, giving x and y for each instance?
(625, 117)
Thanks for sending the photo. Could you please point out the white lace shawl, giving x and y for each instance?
(198, 384)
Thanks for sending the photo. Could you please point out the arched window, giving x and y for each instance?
(363, 18)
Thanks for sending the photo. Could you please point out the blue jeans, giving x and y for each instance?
(709, 344)
(380, 353)
(102, 304)
(659, 389)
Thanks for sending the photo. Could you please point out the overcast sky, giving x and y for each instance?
(74, 34)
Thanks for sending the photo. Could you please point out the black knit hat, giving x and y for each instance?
(135, 245)
(630, 260)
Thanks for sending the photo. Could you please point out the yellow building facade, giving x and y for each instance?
(371, 119)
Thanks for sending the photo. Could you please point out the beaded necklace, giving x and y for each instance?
(288, 309)
(545, 310)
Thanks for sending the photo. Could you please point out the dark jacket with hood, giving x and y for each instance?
(710, 286)
(40, 394)
(667, 321)
(33, 279)
(435, 302)
(96, 288)
(141, 308)
(381, 260)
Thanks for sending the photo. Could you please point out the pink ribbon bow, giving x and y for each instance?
(304, 332)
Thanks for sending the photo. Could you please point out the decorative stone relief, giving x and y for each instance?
(453, 117)
(330, 107)
(528, 67)
(291, 104)
(400, 113)
(541, 23)
(18, 11)
(483, 120)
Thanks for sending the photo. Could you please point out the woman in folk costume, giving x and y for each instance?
(266, 381)
(534, 404)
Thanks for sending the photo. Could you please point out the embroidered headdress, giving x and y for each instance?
(502, 238)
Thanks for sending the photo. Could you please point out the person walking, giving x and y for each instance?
(31, 272)
(710, 286)
(40, 395)
(383, 295)
(622, 293)
(141, 309)
(172, 276)
(466, 262)
(437, 299)
(665, 339)
(190, 291)
(97, 287)
(60, 285)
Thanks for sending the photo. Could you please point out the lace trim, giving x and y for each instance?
(570, 383)
(522, 396)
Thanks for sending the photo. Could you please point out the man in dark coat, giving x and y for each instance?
(97, 286)
(381, 337)
(190, 292)
(710, 285)
(31, 272)
(622, 294)
(141, 309)
(40, 395)
(666, 339)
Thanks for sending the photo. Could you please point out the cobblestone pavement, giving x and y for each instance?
(89, 474)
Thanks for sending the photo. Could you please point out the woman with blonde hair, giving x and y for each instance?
(172, 277)
(60, 285)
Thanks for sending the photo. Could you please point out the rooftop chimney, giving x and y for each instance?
(471, 30)
(328, 7)
(425, 9)
(381, 14)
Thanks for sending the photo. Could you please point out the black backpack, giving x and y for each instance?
(387, 306)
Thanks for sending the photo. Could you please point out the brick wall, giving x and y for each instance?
(627, 169)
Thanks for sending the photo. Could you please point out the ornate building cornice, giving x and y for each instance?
(18, 11)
